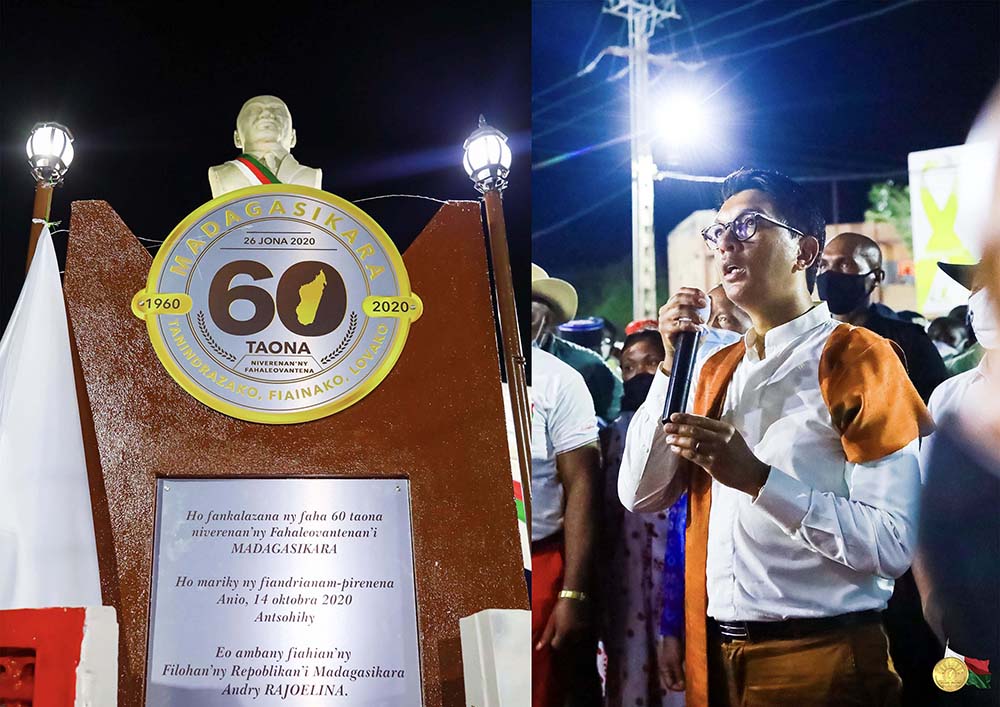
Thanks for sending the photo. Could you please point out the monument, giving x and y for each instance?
(265, 137)
(276, 485)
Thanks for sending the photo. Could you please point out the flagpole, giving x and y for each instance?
(39, 216)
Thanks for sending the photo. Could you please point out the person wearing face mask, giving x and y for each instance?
(644, 552)
(849, 272)
(953, 395)
(959, 525)
(632, 549)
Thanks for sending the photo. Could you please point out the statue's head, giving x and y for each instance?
(264, 121)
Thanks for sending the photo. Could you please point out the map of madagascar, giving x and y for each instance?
(309, 296)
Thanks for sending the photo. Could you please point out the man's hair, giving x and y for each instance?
(793, 204)
(650, 336)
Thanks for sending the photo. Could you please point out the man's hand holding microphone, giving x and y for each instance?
(714, 445)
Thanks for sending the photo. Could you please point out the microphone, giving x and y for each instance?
(681, 372)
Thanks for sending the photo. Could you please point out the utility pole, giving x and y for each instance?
(643, 17)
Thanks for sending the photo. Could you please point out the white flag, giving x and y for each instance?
(48, 556)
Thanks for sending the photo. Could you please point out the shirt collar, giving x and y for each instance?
(980, 368)
(781, 336)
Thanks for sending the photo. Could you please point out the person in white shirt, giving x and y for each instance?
(958, 392)
(958, 401)
(959, 519)
(565, 468)
(801, 466)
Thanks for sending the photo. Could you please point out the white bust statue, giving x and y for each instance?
(265, 137)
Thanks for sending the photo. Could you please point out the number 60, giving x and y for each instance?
(329, 313)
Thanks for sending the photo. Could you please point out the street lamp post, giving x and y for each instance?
(487, 162)
(50, 153)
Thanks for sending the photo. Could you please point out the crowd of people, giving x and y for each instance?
(818, 526)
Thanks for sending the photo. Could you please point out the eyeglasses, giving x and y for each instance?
(744, 228)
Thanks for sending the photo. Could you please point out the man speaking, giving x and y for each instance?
(801, 462)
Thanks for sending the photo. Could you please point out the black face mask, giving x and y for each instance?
(636, 390)
(843, 293)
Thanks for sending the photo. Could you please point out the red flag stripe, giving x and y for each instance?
(979, 667)
(518, 493)
(253, 168)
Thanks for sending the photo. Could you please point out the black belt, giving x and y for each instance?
(755, 631)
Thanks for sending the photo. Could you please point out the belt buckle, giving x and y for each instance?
(734, 631)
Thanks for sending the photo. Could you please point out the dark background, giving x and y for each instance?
(850, 99)
(382, 96)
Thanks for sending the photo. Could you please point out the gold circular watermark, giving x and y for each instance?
(950, 674)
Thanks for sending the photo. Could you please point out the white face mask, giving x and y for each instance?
(984, 320)
(944, 349)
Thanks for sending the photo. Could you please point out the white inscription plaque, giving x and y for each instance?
(283, 591)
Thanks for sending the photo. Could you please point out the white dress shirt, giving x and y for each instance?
(955, 397)
(824, 536)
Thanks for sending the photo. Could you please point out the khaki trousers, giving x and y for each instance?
(844, 667)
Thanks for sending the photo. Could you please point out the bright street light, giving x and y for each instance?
(487, 157)
(682, 121)
(50, 152)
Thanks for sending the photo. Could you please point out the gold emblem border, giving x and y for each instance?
(372, 381)
(941, 669)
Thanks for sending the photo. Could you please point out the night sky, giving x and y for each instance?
(382, 102)
(856, 99)
(382, 96)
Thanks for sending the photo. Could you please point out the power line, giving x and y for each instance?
(771, 22)
(590, 40)
(716, 18)
(843, 177)
(819, 30)
(556, 86)
(575, 119)
(564, 99)
(574, 76)
(690, 30)
(684, 177)
(779, 43)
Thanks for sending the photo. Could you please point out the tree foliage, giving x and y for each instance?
(890, 203)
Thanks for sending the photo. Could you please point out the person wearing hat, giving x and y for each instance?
(954, 394)
(554, 302)
(959, 538)
(565, 470)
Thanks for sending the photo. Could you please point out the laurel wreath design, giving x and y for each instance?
(351, 328)
(211, 342)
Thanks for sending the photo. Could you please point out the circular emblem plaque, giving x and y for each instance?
(950, 674)
(278, 304)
